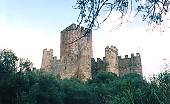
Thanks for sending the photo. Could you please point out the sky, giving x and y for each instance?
(29, 26)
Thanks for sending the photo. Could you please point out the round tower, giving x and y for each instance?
(111, 57)
(47, 59)
(138, 64)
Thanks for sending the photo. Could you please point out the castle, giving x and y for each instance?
(76, 57)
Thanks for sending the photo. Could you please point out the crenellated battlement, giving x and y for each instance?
(75, 27)
(48, 53)
(130, 64)
(132, 56)
(71, 27)
(98, 60)
(111, 49)
(98, 65)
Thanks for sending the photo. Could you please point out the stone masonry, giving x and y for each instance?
(116, 64)
(76, 57)
(75, 54)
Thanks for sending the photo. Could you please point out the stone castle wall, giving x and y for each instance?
(130, 64)
(99, 65)
(115, 64)
(76, 57)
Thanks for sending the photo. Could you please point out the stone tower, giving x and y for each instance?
(47, 59)
(76, 51)
(111, 58)
(136, 63)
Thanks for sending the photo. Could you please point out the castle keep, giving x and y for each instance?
(76, 57)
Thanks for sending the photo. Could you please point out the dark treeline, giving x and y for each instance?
(20, 84)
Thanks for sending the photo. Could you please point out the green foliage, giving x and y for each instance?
(110, 88)
(46, 90)
(76, 92)
(25, 65)
(8, 61)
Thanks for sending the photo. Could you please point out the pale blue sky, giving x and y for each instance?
(29, 26)
(38, 14)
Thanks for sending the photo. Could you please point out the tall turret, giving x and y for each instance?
(47, 59)
(137, 65)
(111, 57)
(76, 50)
